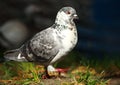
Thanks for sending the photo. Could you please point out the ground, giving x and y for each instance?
(81, 72)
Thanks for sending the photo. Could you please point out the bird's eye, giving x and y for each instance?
(68, 12)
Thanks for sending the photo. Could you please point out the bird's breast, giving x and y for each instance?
(67, 41)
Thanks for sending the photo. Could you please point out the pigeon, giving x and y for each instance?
(50, 44)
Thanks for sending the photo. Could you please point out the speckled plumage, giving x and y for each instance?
(49, 45)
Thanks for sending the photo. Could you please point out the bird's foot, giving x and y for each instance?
(62, 72)
(52, 72)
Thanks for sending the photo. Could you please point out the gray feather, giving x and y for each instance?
(15, 55)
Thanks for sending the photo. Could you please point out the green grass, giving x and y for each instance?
(25, 70)
(29, 68)
(89, 79)
(8, 70)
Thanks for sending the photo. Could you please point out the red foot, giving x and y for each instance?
(61, 70)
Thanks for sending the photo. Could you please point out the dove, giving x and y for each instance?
(51, 44)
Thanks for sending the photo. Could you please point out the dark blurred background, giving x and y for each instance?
(98, 24)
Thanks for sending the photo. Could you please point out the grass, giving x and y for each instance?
(83, 71)
(20, 72)
(28, 70)
(89, 78)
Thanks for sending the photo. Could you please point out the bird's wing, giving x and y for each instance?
(44, 45)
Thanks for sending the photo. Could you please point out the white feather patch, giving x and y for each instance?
(19, 56)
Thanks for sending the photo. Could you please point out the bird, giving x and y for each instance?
(51, 44)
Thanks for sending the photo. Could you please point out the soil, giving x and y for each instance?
(114, 81)
(57, 81)
(64, 81)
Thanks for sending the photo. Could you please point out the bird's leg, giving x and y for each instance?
(50, 68)
(46, 73)
(51, 72)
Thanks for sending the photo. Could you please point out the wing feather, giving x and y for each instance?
(44, 45)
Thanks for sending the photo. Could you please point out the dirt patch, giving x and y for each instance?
(58, 81)
(114, 81)
(68, 81)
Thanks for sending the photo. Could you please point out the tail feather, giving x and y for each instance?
(14, 55)
(11, 51)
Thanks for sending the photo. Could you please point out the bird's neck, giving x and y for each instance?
(64, 23)
(60, 27)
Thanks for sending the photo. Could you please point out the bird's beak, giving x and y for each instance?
(75, 16)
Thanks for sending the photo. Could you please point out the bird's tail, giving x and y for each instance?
(14, 55)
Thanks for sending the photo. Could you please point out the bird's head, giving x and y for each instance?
(66, 14)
